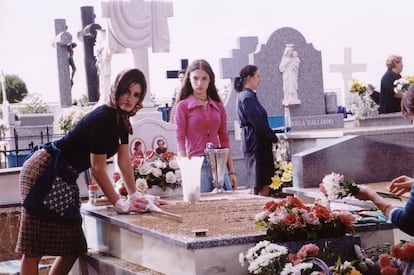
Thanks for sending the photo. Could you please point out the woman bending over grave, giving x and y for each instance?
(53, 226)
(258, 137)
(401, 217)
(201, 118)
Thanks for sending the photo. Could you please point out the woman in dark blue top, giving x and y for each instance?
(258, 137)
(390, 101)
(98, 136)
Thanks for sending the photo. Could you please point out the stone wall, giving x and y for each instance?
(10, 219)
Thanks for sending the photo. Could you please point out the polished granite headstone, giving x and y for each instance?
(362, 158)
(309, 114)
(267, 58)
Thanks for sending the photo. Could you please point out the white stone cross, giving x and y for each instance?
(346, 70)
(138, 25)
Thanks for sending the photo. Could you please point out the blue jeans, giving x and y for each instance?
(206, 183)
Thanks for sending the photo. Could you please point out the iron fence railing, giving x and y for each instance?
(16, 148)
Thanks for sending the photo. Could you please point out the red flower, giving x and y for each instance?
(292, 220)
(116, 176)
(123, 191)
(149, 154)
(137, 162)
(322, 212)
(270, 206)
(404, 253)
(384, 260)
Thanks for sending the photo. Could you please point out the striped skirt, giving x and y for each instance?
(37, 237)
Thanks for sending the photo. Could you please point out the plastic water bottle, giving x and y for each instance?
(288, 125)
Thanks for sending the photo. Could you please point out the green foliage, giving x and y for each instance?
(34, 105)
(16, 89)
(69, 117)
(82, 102)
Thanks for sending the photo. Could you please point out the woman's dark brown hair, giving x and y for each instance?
(121, 85)
(248, 70)
(187, 89)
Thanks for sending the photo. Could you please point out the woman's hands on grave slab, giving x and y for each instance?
(401, 185)
(367, 193)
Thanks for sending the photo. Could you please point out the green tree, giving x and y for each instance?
(16, 89)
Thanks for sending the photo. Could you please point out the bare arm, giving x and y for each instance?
(232, 174)
(98, 172)
(366, 193)
(125, 165)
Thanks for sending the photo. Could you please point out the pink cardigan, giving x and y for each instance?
(198, 125)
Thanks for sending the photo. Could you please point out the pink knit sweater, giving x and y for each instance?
(198, 124)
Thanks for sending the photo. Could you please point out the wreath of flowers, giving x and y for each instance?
(291, 220)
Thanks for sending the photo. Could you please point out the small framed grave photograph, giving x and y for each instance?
(137, 147)
(160, 145)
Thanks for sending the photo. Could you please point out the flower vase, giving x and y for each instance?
(318, 265)
(279, 194)
(409, 269)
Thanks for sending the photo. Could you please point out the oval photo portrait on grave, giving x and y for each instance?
(160, 145)
(137, 147)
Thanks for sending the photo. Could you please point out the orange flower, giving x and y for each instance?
(296, 202)
(346, 219)
(322, 212)
(167, 155)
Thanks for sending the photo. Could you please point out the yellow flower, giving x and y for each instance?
(286, 177)
(288, 167)
(354, 272)
(276, 183)
(409, 78)
(357, 87)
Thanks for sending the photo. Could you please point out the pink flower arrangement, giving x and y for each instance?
(291, 220)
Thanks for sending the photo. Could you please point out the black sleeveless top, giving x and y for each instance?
(95, 133)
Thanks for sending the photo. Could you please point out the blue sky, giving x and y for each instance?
(209, 30)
